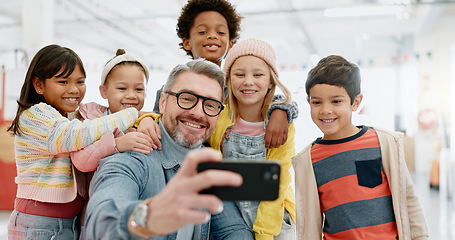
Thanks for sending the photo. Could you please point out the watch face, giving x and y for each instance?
(139, 215)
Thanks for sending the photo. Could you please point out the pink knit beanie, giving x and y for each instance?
(251, 47)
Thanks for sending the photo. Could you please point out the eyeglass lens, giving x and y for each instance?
(188, 101)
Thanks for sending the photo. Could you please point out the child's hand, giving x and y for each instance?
(151, 128)
(134, 141)
(276, 132)
(131, 129)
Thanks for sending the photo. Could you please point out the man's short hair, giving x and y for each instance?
(199, 66)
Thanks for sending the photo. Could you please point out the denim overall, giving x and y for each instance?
(241, 147)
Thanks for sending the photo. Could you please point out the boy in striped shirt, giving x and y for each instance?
(353, 182)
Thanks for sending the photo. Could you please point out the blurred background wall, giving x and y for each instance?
(405, 49)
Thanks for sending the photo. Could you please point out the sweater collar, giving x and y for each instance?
(172, 153)
(363, 130)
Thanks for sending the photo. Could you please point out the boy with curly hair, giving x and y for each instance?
(208, 29)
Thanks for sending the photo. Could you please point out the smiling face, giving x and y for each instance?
(64, 94)
(124, 87)
(250, 81)
(209, 37)
(331, 110)
(189, 128)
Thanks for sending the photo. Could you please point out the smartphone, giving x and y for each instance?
(261, 180)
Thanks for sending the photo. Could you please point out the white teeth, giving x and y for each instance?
(129, 105)
(71, 99)
(211, 47)
(192, 125)
(249, 92)
(328, 121)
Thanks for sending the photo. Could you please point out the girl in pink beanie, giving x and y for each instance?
(252, 77)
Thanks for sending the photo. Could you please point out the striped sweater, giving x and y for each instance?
(353, 188)
(408, 213)
(44, 168)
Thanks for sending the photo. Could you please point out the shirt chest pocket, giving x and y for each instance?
(369, 172)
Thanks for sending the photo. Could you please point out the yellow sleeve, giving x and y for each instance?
(153, 115)
(222, 124)
(270, 213)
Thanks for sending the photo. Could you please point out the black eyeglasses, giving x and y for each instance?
(187, 100)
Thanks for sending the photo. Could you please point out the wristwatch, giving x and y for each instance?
(138, 220)
(139, 216)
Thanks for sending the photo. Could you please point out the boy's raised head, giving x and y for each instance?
(208, 28)
(335, 70)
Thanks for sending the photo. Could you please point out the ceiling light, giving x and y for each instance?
(362, 11)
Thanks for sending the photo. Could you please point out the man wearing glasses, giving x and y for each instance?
(156, 196)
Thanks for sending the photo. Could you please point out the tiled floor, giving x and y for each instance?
(439, 214)
(440, 219)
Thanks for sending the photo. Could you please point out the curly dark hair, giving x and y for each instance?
(194, 7)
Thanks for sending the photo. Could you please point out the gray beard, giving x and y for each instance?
(180, 140)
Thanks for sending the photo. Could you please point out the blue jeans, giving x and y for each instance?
(249, 210)
(288, 228)
(27, 226)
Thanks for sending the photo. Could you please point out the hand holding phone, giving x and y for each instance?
(261, 180)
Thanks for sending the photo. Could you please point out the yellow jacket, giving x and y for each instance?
(270, 213)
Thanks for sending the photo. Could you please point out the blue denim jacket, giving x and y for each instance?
(125, 179)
